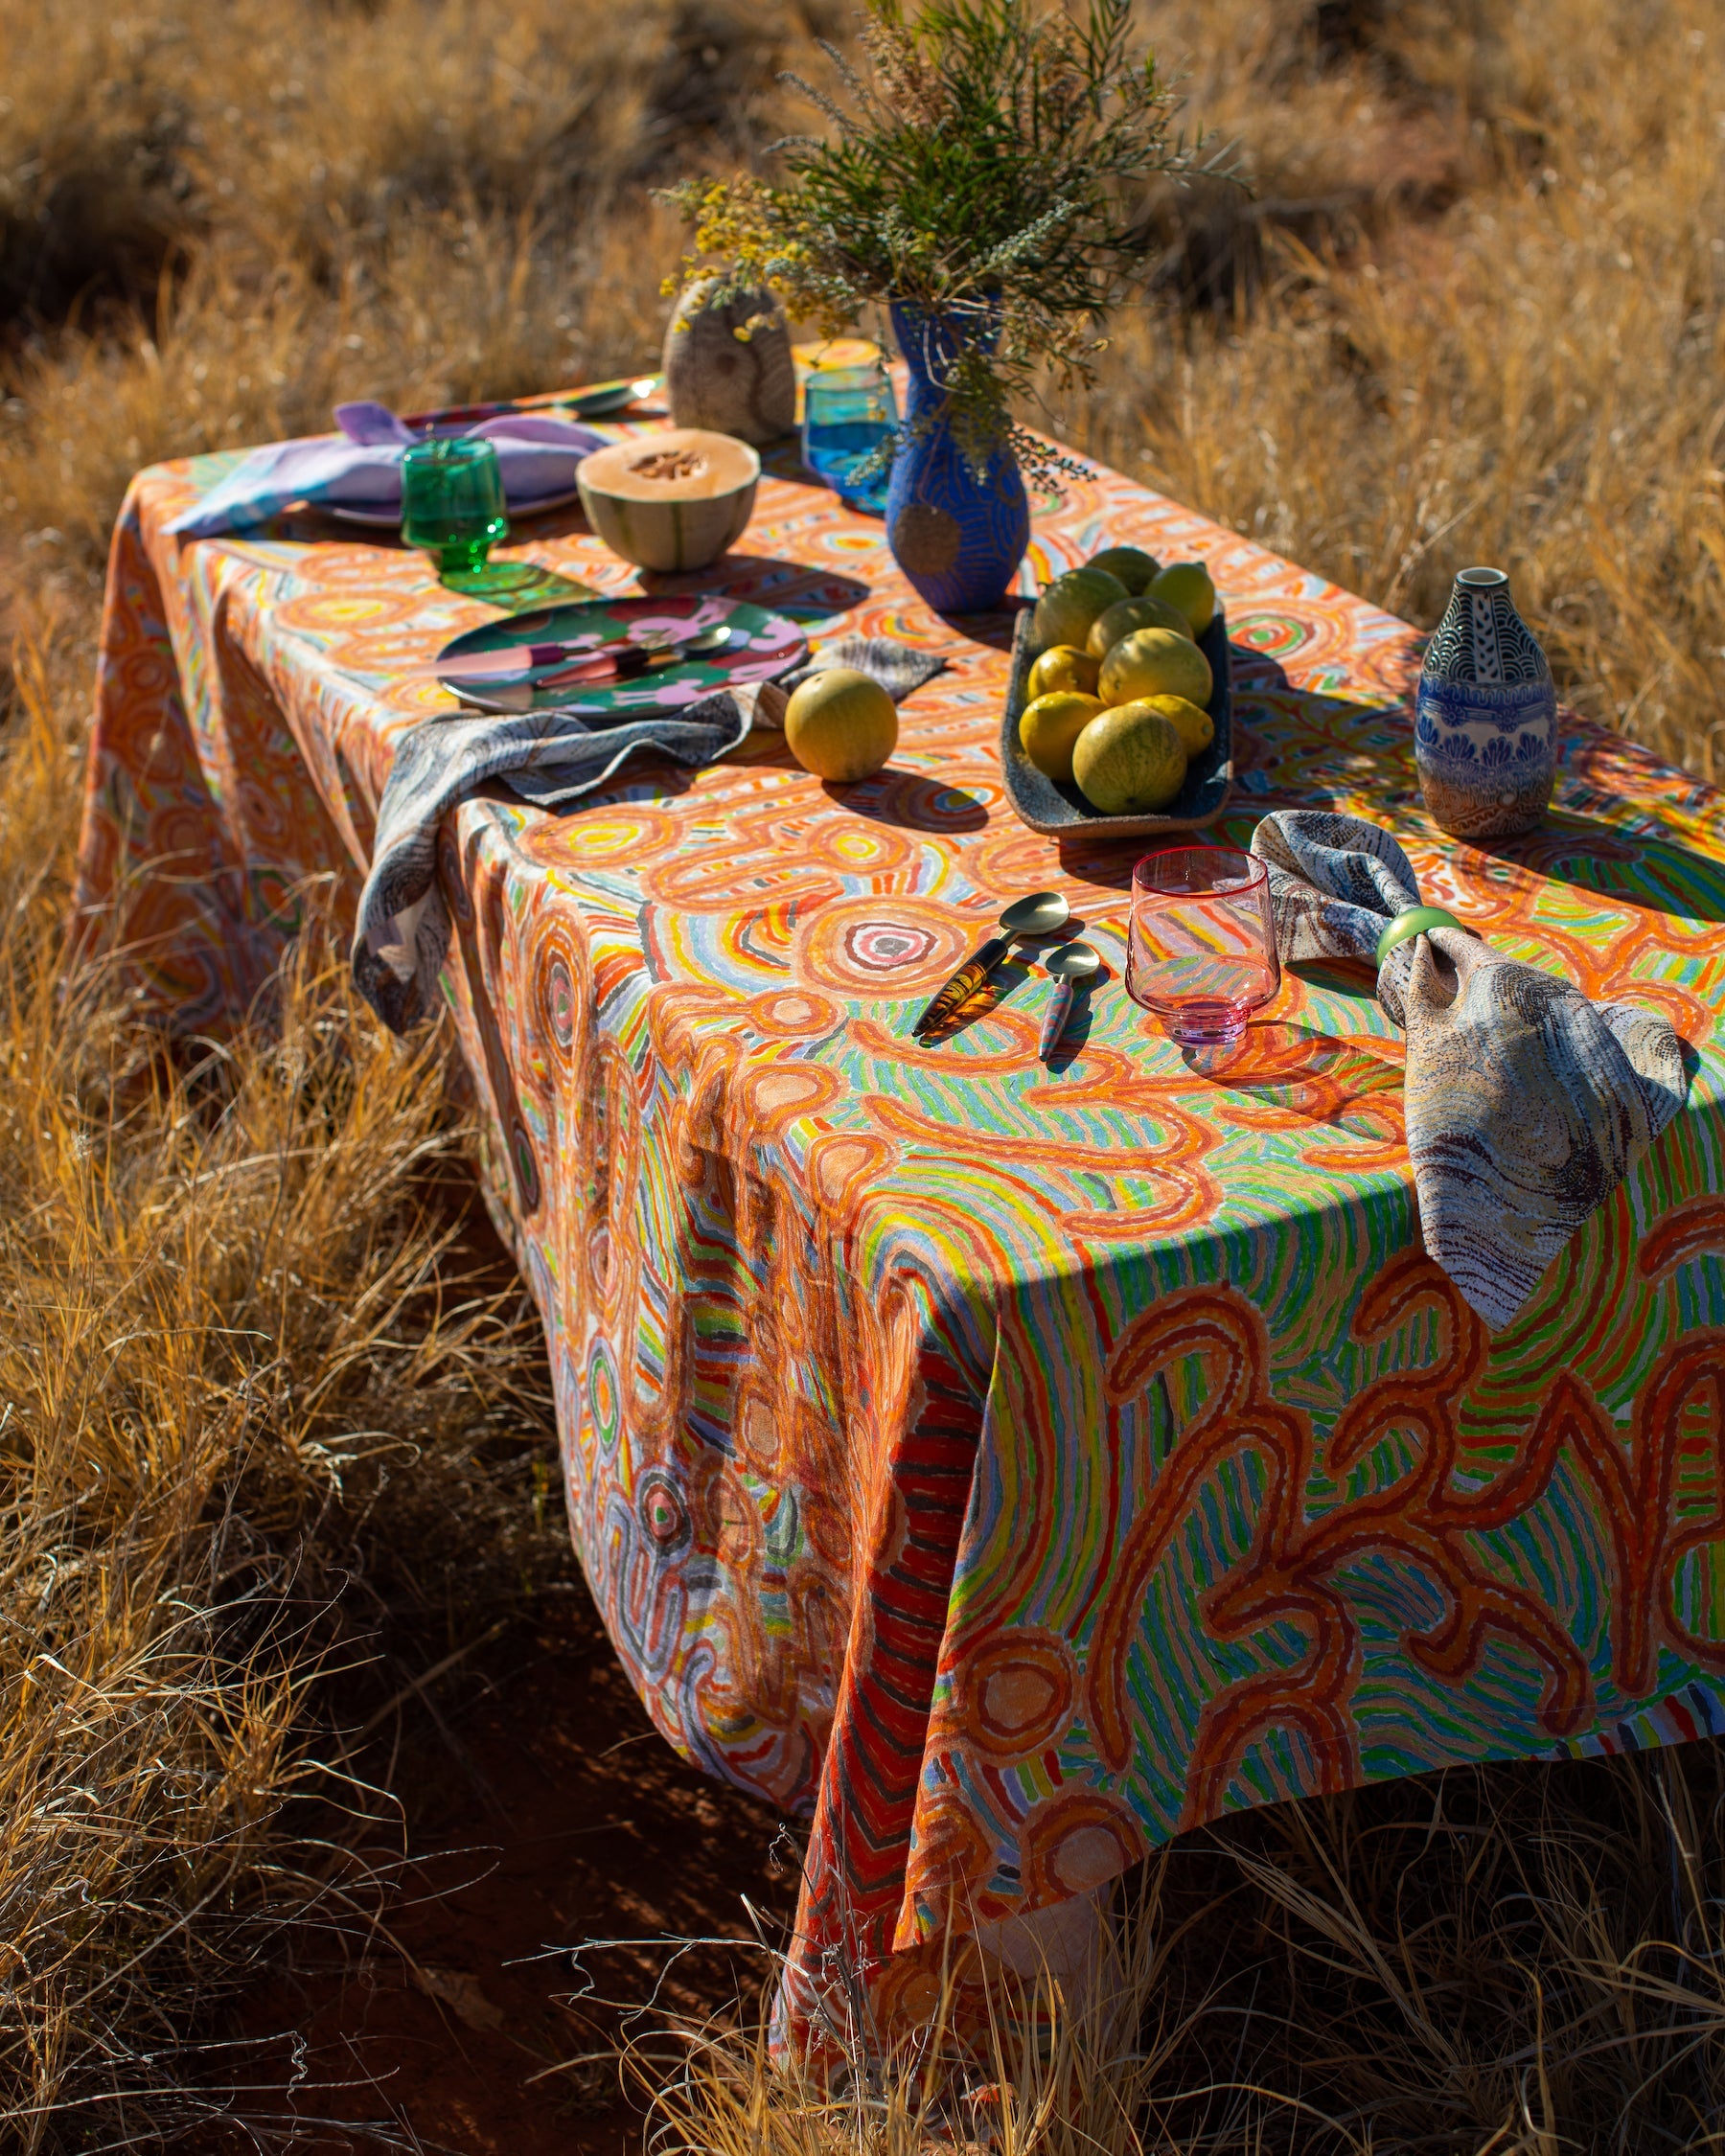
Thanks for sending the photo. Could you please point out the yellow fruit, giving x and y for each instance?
(1155, 662)
(1129, 761)
(1107, 630)
(1188, 585)
(1196, 728)
(1063, 666)
(1066, 609)
(1130, 563)
(1048, 727)
(840, 725)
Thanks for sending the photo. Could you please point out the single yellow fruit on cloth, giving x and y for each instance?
(1188, 585)
(1130, 563)
(1063, 666)
(1155, 662)
(1196, 728)
(1107, 630)
(1066, 609)
(1129, 761)
(1048, 727)
(840, 725)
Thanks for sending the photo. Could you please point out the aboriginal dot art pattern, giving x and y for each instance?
(1004, 1466)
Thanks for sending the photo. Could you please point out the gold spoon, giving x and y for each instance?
(1038, 915)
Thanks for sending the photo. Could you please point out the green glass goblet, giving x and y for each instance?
(453, 502)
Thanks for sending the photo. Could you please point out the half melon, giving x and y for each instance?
(672, 500)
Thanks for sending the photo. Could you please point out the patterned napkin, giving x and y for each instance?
(551, 759)
(361, 468)
(1525, 1103)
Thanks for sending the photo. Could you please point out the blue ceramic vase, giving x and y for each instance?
(957, 534)
(1485, 717)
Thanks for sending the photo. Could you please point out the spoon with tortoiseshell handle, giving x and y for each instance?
(1038, 915)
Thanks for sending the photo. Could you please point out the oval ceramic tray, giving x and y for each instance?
(1061, 811)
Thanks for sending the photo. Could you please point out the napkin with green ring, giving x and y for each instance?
(1527, 1104)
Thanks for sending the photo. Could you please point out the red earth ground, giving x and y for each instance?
(543, 1811)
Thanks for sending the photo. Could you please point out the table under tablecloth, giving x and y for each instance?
(1005, 1467)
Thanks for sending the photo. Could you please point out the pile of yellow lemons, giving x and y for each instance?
(1120, 691)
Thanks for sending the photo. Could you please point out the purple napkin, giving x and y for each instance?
(361, 467)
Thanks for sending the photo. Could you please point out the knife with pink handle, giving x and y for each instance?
(548, 666)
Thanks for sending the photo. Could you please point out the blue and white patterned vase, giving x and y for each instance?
(957, 534)
(1485, 717)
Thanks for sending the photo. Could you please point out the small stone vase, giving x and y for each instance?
(729, 368)
(1485, 717)
(957, 534)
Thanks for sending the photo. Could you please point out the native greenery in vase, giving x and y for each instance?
(983, 179)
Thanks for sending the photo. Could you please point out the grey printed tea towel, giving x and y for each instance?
(551, 759)
(1527, 1104)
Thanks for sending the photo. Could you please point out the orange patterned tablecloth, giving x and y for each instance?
(1006, 1468)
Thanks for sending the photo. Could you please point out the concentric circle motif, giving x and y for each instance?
(1076, 1841)
(1278, 637)
(276, 899)
(560, 1001)
(884, 947)
(342, 564)
(1312, 640)
(1019, 1693)
(846, 1166)
(555, 987)
(603, 1396)
(345, 614)
(778, 1094)
(788, 1013)
(858, 846)
(661, 1511)
(629, 834)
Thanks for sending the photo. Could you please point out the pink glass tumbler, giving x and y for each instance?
(1201, 952)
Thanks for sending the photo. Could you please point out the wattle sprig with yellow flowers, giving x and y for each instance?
(989, 169)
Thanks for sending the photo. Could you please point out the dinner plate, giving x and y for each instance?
(390, 519)
(1059, 811)
(761, 646)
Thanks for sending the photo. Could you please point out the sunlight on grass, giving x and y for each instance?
(253, 1396)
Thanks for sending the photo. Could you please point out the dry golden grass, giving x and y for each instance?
(1474, 311)
(1509, 1963)
(1533, 377)
(242, 1381)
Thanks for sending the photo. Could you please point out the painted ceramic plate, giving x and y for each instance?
(390, 519)
(1061, 811)
(618, 654)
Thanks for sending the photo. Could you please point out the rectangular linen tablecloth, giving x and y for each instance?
(1004, 1467)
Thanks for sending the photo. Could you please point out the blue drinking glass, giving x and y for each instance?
(847, 413)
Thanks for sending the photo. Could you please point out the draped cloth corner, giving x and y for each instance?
(1526, 1105)
(552, 760)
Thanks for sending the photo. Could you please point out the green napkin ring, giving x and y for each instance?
(1414, 921)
